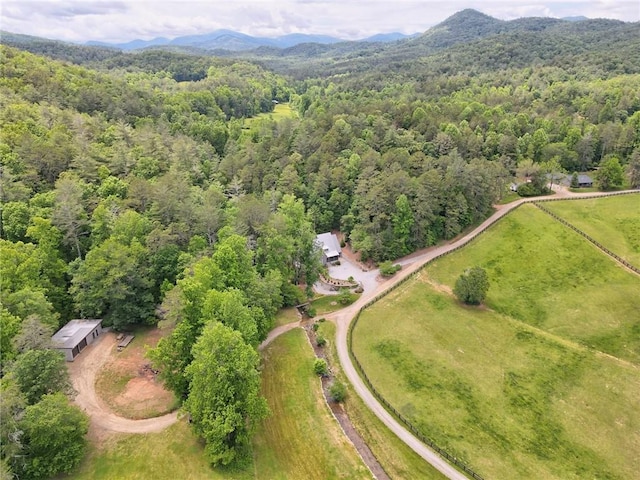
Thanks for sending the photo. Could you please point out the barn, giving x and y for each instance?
(75, 336)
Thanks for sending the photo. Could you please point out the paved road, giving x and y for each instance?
(410, 264)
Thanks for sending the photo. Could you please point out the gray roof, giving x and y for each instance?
(329, 244)
(584, 178)
(73, 332)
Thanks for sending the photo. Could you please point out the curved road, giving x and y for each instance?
(344, 317)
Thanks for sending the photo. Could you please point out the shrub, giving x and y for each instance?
(321, 341)
(320, 367)
(311, 312)
(315, 327)
(387, 269)
(338, 391)
(344, 297)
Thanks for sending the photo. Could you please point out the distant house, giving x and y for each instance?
(75, 336)
(584, 181)
(330, 247)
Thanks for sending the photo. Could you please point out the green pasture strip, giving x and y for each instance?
(612, 221)
(507, 400)
(173, 453)
(545, 274)
(300, 439)
(396, 458)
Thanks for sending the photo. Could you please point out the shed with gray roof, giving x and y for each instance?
(75, 336)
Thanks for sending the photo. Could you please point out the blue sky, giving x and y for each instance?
(123, 20)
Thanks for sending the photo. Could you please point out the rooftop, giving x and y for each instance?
(73, 332)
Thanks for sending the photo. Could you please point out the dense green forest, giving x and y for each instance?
(135, 189)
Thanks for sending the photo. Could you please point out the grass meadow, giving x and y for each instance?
(545, 274)
(543, 381)
(612, 221)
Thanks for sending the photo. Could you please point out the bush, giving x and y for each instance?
(315, 327)
(311, 312)
(321, 341)
(338, 391)
(344, 297)
(320, 367)
(387, 269)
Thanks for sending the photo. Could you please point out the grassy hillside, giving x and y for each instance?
(510, 400)
(546, 275)
(300, 439)
(541, 384)
(612, 221)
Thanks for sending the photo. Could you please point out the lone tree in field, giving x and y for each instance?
(472, 286)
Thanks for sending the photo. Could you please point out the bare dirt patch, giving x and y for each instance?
(128, 384)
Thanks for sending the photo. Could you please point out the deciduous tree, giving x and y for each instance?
(224, 393)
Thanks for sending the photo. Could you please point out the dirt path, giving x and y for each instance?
(83, 376)
(410, 264)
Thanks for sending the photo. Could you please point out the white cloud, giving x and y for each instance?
(82, 20)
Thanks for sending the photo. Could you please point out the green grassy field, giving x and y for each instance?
(329, 303)
(301, 439)
(550, 277)
(510, 400)
(612, 221)
(398, 460)
(168, 455)
(280, 112)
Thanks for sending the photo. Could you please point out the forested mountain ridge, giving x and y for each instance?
(158, 185)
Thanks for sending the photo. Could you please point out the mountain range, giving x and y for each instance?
(235, 41)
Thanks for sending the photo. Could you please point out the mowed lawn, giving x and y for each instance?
(512, 401)
(612, 221)
(301, 439)
(168, 455)
(545, 274)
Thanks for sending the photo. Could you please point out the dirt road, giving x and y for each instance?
(410, 264)
(83, 376)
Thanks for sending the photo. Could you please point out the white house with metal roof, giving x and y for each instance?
(330, 247)
(75, 336)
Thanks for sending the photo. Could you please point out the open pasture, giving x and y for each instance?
(545, 274)
(511, 400)
(612, 221)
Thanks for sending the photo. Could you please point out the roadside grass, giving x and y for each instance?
(285, 316)
(325, 304)
(396, 458)
(509, 400)
(612, 221)
(550, 277)
(300, 439)
(509, 197)
(173, 453)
